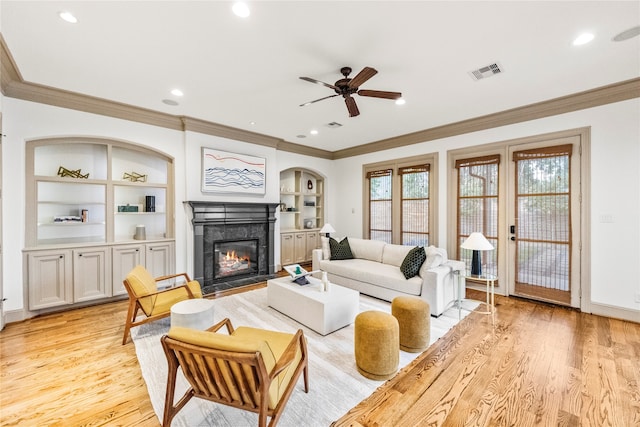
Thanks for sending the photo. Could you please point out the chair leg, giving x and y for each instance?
(170, 410)
(132, 312)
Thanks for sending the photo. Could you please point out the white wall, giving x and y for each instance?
(615, 190)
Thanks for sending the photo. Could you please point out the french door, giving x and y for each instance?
(544, 221)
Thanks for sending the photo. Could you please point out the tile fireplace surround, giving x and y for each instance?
(225, 221)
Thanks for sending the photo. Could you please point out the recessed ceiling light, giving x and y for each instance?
(313, 132)
(241, 9)
(170, 102)
(400, 101)
(177, 92)
(68, 16)
(583, 38)
(252, 123)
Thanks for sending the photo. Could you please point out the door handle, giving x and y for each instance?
(513, 238)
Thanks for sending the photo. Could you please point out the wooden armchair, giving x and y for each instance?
(155, 304)
(248, 368)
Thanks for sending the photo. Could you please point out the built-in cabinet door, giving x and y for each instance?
(312, 243)
(159, 258)
(286, 248)
(91, 277)
(125, 258)
(49, 274)
(300, 245)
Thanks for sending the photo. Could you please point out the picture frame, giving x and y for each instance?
(226, 172)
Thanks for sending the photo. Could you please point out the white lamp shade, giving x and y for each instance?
(327, 228)
(477, 242)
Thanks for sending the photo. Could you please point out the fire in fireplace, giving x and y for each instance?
(235, 258)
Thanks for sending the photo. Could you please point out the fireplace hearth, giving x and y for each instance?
(233, 244)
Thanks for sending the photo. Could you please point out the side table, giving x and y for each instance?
(489, 279)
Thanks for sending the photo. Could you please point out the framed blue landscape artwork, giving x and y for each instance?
(224, 172)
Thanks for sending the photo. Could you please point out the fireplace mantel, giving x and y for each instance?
(225, 221)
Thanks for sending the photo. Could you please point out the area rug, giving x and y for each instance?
(335, 386)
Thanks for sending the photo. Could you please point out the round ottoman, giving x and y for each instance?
(194, 313)
(414, 319)
(376, 343)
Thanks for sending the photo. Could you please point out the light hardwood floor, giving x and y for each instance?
(538, 365)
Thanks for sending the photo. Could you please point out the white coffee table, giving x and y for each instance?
(194, 313)
(323, 312)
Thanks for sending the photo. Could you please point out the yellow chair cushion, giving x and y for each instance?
(270, 344)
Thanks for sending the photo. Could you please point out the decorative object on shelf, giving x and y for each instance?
(128, 208)
(67, 218)
(308, 223)
(150, 204)
(141, 233)
(283, 207)
(134, 177)
(309, 203)
(327, 229)
(62, 171)
(476, 242)
(309, 184)
(225, 172)
(85, 215)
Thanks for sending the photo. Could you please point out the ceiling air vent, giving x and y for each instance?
(333, 125)
(484, 72)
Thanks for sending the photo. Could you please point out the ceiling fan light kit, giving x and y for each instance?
(346, 87)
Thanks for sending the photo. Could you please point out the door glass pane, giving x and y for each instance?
(380, 207)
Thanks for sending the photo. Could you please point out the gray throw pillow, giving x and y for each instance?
(413, 261)
(340, 250)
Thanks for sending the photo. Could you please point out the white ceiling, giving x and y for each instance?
(235, 71)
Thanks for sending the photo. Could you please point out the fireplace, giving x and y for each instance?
(233, 244)
(235, 258)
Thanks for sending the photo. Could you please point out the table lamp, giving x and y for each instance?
(476, 242)
(327, 229)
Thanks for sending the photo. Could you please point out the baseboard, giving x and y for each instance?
(13, 316)
(615, 312)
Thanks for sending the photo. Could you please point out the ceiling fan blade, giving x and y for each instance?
(351, 106)
(310, 80)
(362, 76)
(380, 94)
(311, 102)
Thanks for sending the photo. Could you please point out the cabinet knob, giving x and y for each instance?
(61, 256)
(79, 254)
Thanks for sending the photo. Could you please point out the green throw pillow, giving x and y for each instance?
(340, 250)
(413, 261)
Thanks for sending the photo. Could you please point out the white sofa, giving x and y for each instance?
(375, 271)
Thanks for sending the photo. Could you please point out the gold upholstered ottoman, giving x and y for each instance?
(376, 340)
(414, 319)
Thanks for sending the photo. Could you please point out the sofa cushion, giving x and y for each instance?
(413, 261)
(395, 254)
(374, 273)
(435, 258)
(367, 249)
(340, 250)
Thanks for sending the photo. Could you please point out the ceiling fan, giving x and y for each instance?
(347, 87)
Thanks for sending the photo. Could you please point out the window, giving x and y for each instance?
(380, 211)
(478, 206)
(398, 206)
(415, 205)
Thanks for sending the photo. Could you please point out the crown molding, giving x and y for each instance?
(616, 92)
(13, 85)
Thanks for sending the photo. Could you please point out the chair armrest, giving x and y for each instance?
(224, 322)
(171, 289)
(288, 355)
(173, 276)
